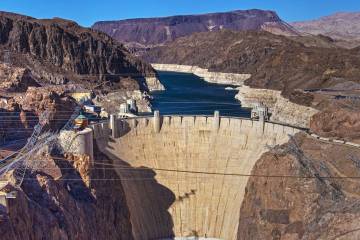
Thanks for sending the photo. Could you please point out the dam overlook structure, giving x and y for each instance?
(185, 176)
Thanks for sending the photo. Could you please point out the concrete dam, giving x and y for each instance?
(185, 176)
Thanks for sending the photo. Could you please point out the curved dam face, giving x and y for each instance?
(186, 175)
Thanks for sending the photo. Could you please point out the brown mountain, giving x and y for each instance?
(275, 62)
(344, 27)
(58, 51)
(156, 31)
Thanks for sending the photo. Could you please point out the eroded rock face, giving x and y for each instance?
(303, 208)
(67, 199)
(59, 50)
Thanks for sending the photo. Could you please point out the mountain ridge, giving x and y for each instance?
(341, 26)
(148, 32)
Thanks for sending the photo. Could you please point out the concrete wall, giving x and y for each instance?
(162, 168)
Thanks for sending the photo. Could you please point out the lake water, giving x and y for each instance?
(187, 94)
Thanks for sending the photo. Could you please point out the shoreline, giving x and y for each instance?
(282, 109)
(212, 77)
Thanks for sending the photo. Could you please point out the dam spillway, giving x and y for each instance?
(186, 175)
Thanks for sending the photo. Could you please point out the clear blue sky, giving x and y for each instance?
(86, 12)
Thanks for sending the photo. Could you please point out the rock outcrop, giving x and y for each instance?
(306, 203)
(38, 100)
(148, 32)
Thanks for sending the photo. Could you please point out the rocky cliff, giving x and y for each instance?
(58, 51)
(68, 198)
(306, 203)
(148, 32)
(23, 100)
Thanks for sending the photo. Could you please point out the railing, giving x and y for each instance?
(210, 116)
(306, 130)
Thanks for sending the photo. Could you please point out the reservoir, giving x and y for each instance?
(188, 94)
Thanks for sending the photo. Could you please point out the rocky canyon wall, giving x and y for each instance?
(322, 207)
(59, 51)
(68, 198)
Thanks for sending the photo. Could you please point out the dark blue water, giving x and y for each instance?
(188, 94)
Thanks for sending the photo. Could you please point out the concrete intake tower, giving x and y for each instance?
(185, 175)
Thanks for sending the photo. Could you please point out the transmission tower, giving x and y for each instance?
(25, 159)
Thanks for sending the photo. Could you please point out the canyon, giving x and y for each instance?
(182, 176)
(274, 62)
(279, 71)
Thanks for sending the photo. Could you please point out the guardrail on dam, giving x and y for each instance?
(186, 175)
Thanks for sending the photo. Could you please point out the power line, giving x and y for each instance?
(115, 166)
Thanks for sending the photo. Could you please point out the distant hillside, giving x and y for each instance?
(156, 31)
(275, 62)
(340, 26)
